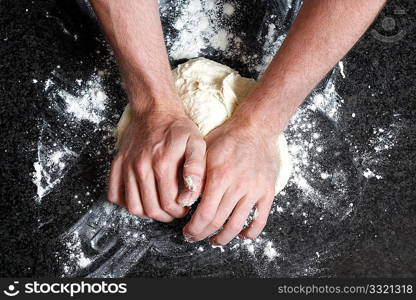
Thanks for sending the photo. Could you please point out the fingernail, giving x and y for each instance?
(241, 236)
(192, 182)
(212, 242)
(188, 238)
(186, 199)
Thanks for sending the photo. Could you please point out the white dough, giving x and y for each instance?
(210, 92)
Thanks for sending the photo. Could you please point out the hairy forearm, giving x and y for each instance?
(134, 31)
(323, 32)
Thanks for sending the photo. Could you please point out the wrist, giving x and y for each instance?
(245, 125)
(249, 117)
(146, 98)
(145, 104)
(268, 109)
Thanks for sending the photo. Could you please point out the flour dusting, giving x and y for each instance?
(201, 28)
(87, 103)
(52, 162)
(54, 157)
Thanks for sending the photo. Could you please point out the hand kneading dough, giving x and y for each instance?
(210, 92)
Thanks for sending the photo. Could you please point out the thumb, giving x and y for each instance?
(193, 171)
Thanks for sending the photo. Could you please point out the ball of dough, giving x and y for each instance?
(210, 92)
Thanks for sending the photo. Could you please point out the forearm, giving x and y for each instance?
(323, 32)
(134, 31)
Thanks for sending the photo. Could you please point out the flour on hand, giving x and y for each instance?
(210, 92)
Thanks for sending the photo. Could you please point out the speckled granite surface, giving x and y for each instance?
(376, 238)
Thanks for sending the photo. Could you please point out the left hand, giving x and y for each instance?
(241, 171)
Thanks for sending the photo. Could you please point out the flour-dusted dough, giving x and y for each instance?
(210, 92)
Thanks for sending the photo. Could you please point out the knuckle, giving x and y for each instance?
(141, 156)
(235, 227)
(192, 231)
(153, 214)
(206, 216)
(175, 134)
(240, 186)
(157, 146)
(176, 129)
(214, 160)
(141, 169)
(168, 206)
(135, 210)
(217, 224)
(161, 165)
(218, 175)
(157, 151)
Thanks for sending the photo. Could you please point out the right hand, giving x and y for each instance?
(144, 173)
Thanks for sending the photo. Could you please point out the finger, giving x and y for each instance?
(193, 171)
(115, 185)
(166, 168)
(225, 209)
(260, 220)
(234, 224)
(214, 190)
(132, 196)
(148, 194)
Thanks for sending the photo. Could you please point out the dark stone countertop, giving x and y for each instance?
(375, 238)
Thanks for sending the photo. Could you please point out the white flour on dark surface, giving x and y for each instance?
(52, 164)
(108, 242)
(86, 104)
(207, 27)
